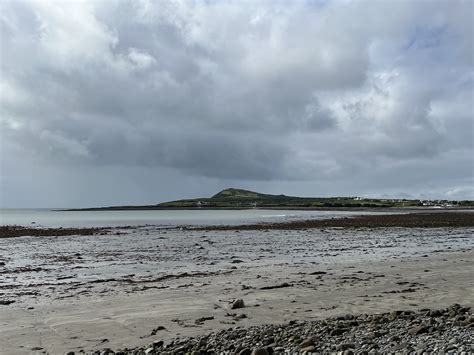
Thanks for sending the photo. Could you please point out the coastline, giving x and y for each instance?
(139, 285)
(289, 208)
(418, 219)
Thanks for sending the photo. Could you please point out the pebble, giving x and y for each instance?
(357, 334)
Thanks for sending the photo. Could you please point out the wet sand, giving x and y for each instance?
(134, 286)
(118, 321)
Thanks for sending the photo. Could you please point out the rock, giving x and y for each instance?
(435, 313)
(237, 303)
(260, 351)
(6, 302)
(338, 331)
(309, 341)
(398, 347)
(419, 329)
(157, 329)
(308, 349)
(395, 314)
(346, 346)
(158, 344)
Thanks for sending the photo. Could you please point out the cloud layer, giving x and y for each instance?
(308, 97)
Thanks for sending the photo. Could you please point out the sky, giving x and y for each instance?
(139, 102)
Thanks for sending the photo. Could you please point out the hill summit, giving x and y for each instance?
(240, 194)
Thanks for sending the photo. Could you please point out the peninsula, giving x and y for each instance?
(233, 198)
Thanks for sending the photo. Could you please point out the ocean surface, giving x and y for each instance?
(168, 218)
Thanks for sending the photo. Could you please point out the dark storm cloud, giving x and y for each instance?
(230, 91)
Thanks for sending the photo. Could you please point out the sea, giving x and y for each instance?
(165, 218)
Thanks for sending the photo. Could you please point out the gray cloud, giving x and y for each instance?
(314, 97)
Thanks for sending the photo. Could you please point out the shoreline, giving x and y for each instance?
(289, 208)
(408, 220)
(196, 306)
(440, 219)
(137, 286)
(448, 329)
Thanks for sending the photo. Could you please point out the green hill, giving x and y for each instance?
(238, 198)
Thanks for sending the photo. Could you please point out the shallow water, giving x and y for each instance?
(55, 218)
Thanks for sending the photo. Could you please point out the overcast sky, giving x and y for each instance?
(138, 102)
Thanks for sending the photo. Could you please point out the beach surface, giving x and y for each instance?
(132, 286)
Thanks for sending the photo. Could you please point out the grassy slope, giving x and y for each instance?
(237, 198)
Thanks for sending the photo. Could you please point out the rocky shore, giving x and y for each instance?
(20, 231)
(408, 220)
(449, 330)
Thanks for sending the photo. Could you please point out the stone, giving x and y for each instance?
(309, 341)
(308, 349)
(419, 329)
(259, 351)
(394, 315)
(338, 331)
(346, 346)
(397, 347)
(237, 303)
(158, 343)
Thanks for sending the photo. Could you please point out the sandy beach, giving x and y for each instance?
(138, 285)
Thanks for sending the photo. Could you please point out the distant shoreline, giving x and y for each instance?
(289, 208)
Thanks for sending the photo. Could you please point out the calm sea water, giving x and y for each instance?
(53, 218)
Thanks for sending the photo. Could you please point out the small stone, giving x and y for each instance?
(338, 331)
(238, 303)
(308, 349)
(435, 313)
(419, 329)
(394, 315)
(259, 351)
(309, 341)
(346, 346)
(158, 343)
(397, 347)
